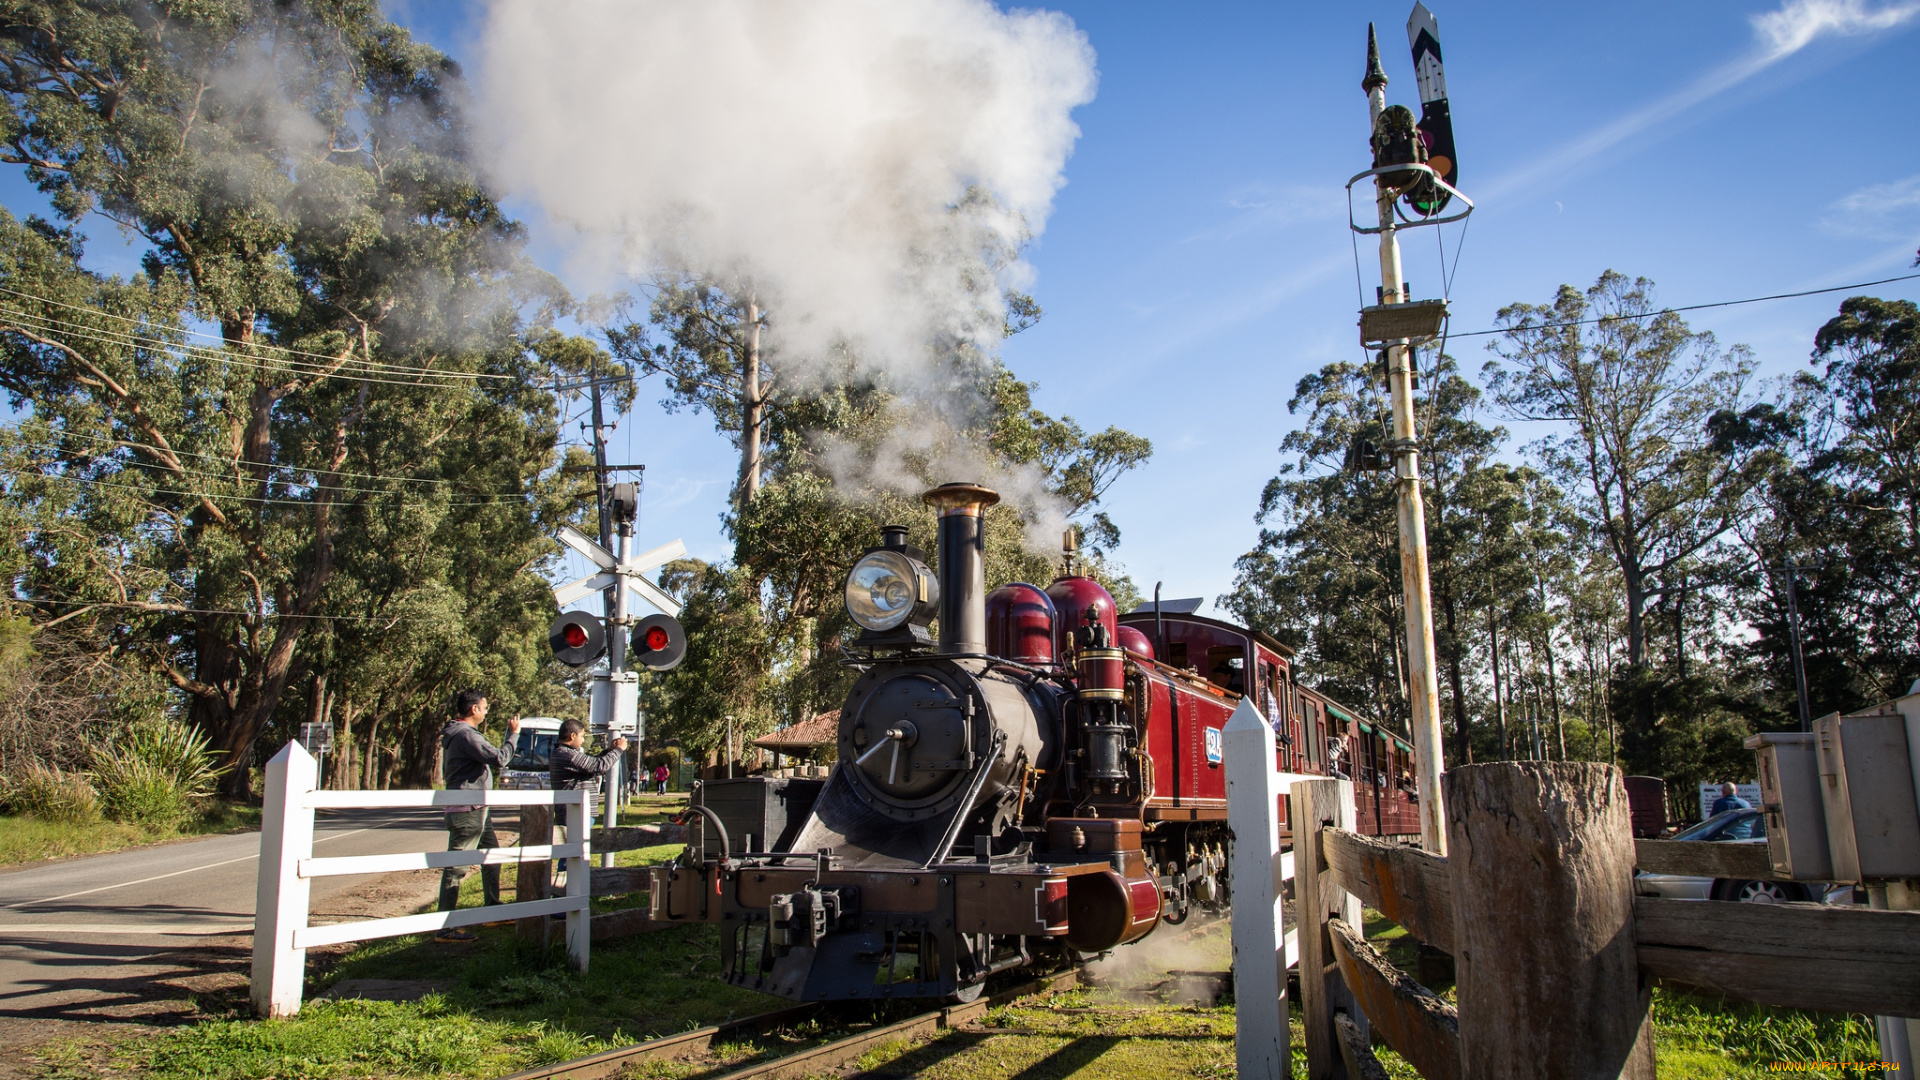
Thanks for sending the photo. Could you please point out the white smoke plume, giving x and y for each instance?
(816, 150)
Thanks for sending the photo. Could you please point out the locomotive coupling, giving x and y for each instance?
(801, 919)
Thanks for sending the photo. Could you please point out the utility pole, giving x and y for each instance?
(656, 643)
(1793, 647)
(1422, 679)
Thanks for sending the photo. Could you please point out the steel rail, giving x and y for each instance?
(812, 1059)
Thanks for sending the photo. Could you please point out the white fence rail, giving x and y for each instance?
(281, 936)
(1259, 871)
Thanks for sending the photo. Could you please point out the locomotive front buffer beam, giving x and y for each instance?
(792, 928)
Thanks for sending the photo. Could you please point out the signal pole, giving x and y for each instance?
(1422, 681)
(1799, 658)
(617, 508)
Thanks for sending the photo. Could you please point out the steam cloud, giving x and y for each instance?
(815, 150)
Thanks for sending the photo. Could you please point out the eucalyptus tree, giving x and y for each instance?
(1838, 515)
(1324, 577)
(300, 178)
(1632, 390)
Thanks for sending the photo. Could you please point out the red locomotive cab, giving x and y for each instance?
(1136, 643)
(1073, 598)
(1021, 624)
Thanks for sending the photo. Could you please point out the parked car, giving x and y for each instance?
(532, 749)
(1734, 827)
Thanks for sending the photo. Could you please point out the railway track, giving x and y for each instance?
(822, 1056)
(801, 1062)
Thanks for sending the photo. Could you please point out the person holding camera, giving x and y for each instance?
(467, 761)
(571, 767)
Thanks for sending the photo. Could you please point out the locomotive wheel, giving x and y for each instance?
(967, 994)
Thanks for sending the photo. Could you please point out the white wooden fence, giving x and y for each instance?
(281, 936)
(1263, 949)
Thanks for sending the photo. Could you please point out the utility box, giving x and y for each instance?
(760, 813)
(1796, 814)
(1867, 791)
(1909, 709)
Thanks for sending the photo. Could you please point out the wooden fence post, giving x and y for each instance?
(1259, 942)
(534, 880)
(579, 881)
(280, 899)
(1541, 862)
(1319, 804)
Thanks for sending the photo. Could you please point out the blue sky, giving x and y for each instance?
(1197, 264)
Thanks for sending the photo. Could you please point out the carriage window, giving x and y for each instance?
(1226, 667)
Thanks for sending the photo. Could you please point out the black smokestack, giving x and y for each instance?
(963, 565)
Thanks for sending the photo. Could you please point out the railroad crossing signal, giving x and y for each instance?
(611, 571)
(659, 644)
(577, 638)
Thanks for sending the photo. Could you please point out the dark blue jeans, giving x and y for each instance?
(467, 831)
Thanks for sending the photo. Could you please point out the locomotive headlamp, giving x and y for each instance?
(888, 589)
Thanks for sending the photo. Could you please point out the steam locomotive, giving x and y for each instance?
(1046, 770)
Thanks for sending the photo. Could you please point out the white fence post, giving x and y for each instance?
(280, 903)
(579, 879)
(1259, 957)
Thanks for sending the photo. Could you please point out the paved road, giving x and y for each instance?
(78, 936)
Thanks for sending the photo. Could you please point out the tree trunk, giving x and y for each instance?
(752, 408)
(1463, 733)
(1499, 699)
(1553, 694)
(370, 758)
(1679, 630)
(345, 766)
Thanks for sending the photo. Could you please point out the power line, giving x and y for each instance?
(29, 321)
(168, 609)
(120, 443)
(1690, 307)
(397, 369)
(262, 499)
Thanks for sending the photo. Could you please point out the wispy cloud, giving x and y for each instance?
(1778, 35)
(1801, 22)
(1875, 210)
(1265, 207)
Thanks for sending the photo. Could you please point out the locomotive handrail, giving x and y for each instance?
(966, 803)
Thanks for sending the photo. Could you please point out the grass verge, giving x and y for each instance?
(29, 839)
(503, 1006)
(1702, 1035)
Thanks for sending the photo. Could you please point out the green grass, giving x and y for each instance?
(507, 1006)
(1701, 1036)
(1698, 1036)
(28, 839)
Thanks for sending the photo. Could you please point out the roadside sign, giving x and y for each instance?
(316, 738)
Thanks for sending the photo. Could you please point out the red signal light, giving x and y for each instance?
(577, 639)
(657, 638)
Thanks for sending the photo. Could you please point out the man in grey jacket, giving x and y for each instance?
(570, 767)
(467, 761)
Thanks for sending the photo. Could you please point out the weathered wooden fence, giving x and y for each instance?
(534, 880)
(1553, 951)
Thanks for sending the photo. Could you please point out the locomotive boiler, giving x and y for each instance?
(1030, 777)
